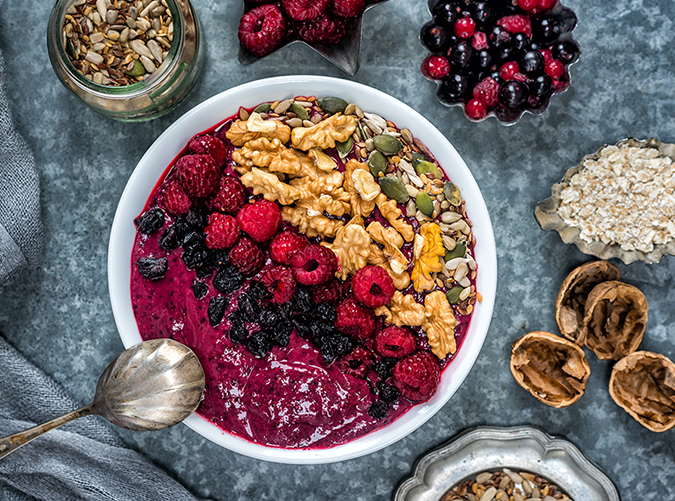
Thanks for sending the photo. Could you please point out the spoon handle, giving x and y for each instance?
(13, 442)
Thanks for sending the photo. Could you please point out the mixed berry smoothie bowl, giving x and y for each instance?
(319, 260)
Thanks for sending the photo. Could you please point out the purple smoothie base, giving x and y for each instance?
(288, 399)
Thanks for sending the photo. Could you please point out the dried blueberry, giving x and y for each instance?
(257, 290)
(387, 392)
(378, 410)
(302, 301)
(170, 239)
(152, 268)
(197, 217)
(238, 331)
(216, 310)
(268, 317)
(194, 250)
(281, 334)
(333, 345)
(302, 322)
(203, 272)
(216, 258)
(326, 312)
(150, 221)
(259, 344)
(228, 279)
(181, 226)
(200, 289)
(249, 307)
(384, 367)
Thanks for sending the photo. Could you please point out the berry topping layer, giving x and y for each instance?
(318, 261)
(499, 57)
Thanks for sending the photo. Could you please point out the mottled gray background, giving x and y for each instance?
(59, 314)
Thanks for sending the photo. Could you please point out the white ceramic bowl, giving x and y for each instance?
(148, 171)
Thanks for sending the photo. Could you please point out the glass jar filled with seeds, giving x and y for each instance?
(130, 60)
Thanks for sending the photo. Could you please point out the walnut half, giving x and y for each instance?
(643, 384)
(571, 302)
(615, 319)
(552, 369)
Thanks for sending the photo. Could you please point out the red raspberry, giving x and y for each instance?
(561, 84)
(348, 8)
(261, 219)
(261, 29)
(357, 363)
(354, 319)
(417, 376)
(547, 54)
(323, 29)
(516, 23)
(546, 4)
(396, 342)
(302, 10)
(554, 69)
(280, 282)
(373, 286)
(175, 200)
(528, 5)
(209, 145)
(487, 90)
(465, 27)
(222, 231)
(247, 256)
(330, 292)
(197, 174)
(285, 245)
(314, 265)
(476, 109)
(480, 41)
(435, 67)
(508, 70)
(230, 197)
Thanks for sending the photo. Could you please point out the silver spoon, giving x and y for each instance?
(152, 385)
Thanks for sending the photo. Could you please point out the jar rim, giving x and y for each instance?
(145, 86)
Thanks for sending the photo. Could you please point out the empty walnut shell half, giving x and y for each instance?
(643, 384)
(554, 370)
(570, 306)
(615, 320)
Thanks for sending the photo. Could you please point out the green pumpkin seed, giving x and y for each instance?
(424, 203)
(458, 251)
(332, 105)
(387, 144)
(453, 294)
(70, 49)
(417, 158)
(137, 70)
(345, 148)
(263, 108)
(452, 194)
(300, 111)
(377, 163)
(394, 188)
(424, 167)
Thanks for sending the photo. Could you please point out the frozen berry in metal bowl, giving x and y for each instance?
(512, 42)
(337, 295)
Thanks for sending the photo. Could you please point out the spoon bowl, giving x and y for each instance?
(152, 385)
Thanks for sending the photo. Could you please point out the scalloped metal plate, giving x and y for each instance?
(546, 213)
(521, 448)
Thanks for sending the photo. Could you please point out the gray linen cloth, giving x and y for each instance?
(83, 460)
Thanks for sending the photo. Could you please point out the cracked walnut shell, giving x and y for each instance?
(571, 302)
(643, 384)
(615, 319)
(554, 370)
(439, 325)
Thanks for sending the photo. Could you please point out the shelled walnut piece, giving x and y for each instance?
(439, 325)
(552, 369)
(643, 384)
(571, 301)
(615, 319)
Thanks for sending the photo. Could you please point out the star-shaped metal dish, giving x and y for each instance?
(346, 55)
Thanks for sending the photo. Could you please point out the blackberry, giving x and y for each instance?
(197, 217)
(257, 290)
(326, 311)
(170, 239)
(249, 307)
(150, 221)
(387, 392)
(152, 268)
(378, 410)
(194, 250)
(228, 279)
(259, 344)
(384, 367)
(199, 289)
(216, 310)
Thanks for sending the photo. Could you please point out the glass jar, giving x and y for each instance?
(149, 98)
